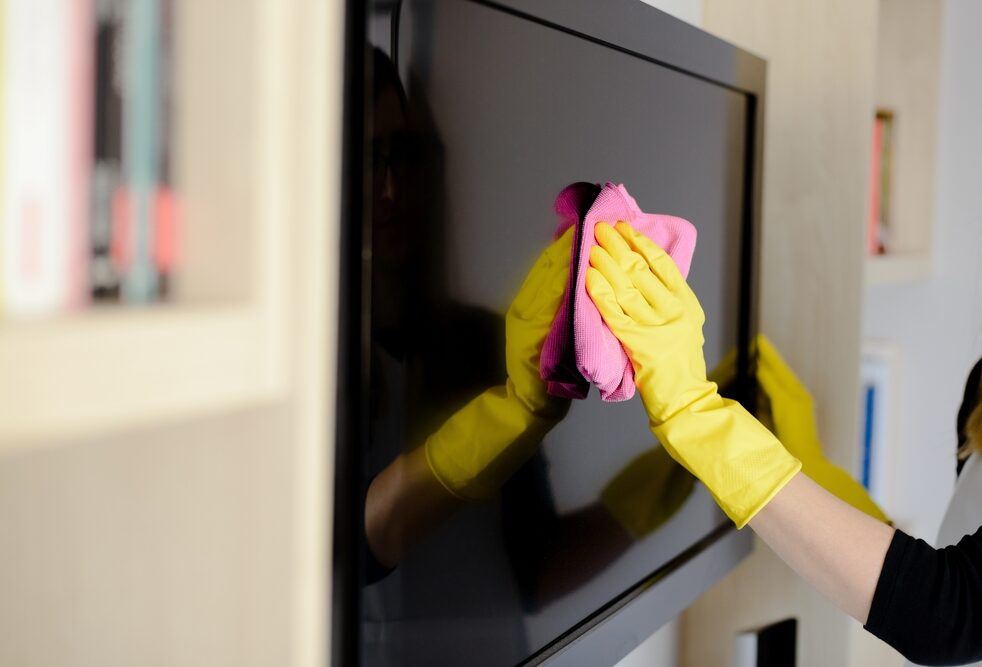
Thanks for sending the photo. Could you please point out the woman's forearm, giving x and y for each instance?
(833, 546)
(404, 503)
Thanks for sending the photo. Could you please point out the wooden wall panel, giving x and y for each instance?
(818, 119)
(161, 547)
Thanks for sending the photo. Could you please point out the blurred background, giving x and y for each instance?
(168, 188)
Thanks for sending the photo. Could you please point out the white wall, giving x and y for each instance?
(687, 10)
(659, 650)
(937, 323)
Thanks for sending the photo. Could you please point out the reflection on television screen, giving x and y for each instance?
(520, 514)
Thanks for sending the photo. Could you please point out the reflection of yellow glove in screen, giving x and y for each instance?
(793, 415)
(481, 446)
(649, 307)
(786, 407)
(647, 492)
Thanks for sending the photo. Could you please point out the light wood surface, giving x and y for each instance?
(908, 66)
(818, 120)
(200, 536)
(161, 547)
(896, 269)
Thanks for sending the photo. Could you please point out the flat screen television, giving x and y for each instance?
(464, 119)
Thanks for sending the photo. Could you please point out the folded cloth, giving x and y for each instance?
(580, 349)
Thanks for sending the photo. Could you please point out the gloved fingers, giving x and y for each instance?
(657, 259)
(544, 286)
(667, 306)
(636, 269)
(664, 267)
(602, 294)
(630, 262)
(628, 297)
(556, 274)
(618, 248)
(690, 302)
(562, 248)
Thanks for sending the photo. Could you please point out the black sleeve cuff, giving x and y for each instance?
(878, 622)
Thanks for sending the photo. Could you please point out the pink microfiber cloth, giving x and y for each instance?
(580, 349)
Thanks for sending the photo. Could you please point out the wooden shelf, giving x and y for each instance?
(897, 269)
(908, 66)
(106, 371)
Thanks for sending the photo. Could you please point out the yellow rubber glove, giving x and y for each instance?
(791, 409)
(649, 307)
(786, 408)
(486, 441)
(647, 492)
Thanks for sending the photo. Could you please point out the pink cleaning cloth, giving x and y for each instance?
(580, 349)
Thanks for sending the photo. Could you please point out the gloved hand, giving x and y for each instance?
(647, 492)
(790, 407)
(647, 304)
(786, 408)
(486, 441)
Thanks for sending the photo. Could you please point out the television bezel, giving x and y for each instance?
(642, 31)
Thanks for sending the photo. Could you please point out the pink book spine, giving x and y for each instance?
(80, 119)
(872, 227)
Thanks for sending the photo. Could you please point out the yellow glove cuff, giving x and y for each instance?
(741, 463)
(484, 443)
(647, 492)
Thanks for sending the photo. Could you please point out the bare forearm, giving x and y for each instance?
(834, 547)
(404, 503)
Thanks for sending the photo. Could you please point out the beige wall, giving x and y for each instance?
(164, 547)
(203, 539)
(818, 118)
(908, 69)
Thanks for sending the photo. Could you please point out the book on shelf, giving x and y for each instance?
(878, 375)
(141, 115)
(45, 147)
(140, 168)
(3, 134)
(881, 165)
(104, 275)
(88, 209)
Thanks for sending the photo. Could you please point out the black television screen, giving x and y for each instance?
(476, 115)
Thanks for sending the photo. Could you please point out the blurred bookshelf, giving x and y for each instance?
(148, 180)
(114, 370)
(904, 142)
(893, 269)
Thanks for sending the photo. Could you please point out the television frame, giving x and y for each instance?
(629, 26)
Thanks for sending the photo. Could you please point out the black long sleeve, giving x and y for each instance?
(928, 602)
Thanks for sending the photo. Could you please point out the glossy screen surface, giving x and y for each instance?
(482, 120)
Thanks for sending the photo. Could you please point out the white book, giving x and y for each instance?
(3, 131)
(42, 223)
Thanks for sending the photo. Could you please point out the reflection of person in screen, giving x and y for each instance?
(477, 416)
(458, 410)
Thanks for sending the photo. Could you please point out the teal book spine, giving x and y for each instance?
(140, 147)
